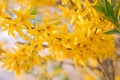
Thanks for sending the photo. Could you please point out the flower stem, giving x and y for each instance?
(103, 69)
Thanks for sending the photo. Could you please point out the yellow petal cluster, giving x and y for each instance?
(23, 58)
(75, 31)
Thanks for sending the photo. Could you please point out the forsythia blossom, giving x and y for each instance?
(76, 32)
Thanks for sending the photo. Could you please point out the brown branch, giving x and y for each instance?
(103, 69)
(113, 71)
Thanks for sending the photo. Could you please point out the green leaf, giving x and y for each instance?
(109, 10)
(116, 12)
(112, 32)
(112, 3)
(98, 8)
(110, 19)
(111, 14)
(34, 11)
(100, 3)
(106, 12)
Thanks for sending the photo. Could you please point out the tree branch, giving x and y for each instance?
(103, 69)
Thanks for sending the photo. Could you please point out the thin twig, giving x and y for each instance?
(113, 70)
(104, 70)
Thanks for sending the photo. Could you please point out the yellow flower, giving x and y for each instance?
(23, 59)
(117, 77)
(19, 23)
(76, 32)
(1, 50)
(38, 3)
(64, 1)
(24, 16)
